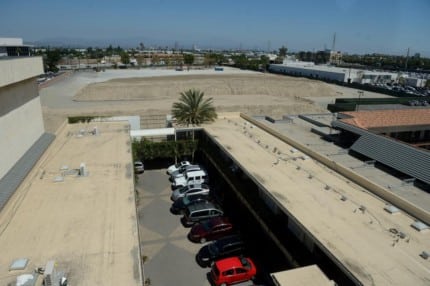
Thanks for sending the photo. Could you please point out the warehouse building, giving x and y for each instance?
(331, 73)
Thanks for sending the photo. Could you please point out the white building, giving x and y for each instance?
(324, 72)
(415, 82)
(13, 47)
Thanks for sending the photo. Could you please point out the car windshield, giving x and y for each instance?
(186, 200)
(213, 248)
(209, 224)
(215, 270)
(245, 263)
(183, 189)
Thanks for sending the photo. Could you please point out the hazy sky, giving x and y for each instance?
(361, 26)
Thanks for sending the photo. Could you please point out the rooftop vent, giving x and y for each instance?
(391, 209)
(420, 226)
(19, 264)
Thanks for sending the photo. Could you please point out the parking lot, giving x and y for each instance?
(169, 256)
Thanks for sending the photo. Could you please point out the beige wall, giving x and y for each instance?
(19, 129)
(17, 69)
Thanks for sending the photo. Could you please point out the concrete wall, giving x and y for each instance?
(308, 72)
(14, 95)
(14, 70)
(383, 193)
(19, 129)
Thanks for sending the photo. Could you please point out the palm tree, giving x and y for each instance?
(193, 110)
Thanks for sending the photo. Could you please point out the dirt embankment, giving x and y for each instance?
(254, 94)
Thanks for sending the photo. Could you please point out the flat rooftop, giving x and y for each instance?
(87, 224)
(308, 275)
(342, 218)
(300, 131)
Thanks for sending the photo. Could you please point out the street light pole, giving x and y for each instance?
(360, 93)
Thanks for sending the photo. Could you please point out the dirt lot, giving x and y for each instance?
(153, 92)
(257, 93)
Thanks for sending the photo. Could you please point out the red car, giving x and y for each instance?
(233, 270)
(210, 229)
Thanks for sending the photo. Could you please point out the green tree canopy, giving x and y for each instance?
(283, 51)
(125, 58)
(193, 109)
(53, 56)
(188, 59)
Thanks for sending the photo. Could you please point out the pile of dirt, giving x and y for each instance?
(157, 88)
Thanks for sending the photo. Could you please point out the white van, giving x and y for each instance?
(181, 172)
(194, 177)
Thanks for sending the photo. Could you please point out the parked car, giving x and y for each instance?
(201, 211)
(224, 247)
(180, 170)
(190, 190)
(185, 169)
(175, 167)
(196, 177)
(233, 270)
(178, 206)
(139, 168)
(210, 229)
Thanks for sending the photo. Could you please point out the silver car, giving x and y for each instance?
(190, 190)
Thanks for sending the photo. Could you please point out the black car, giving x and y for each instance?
(224, 247)
(179, 206)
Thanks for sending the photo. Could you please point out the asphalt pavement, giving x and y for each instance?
(169, 256)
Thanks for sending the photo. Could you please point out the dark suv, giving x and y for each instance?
(231, 245)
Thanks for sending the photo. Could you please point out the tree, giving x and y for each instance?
(52, 58)
(125, 58)
(264, 62)
(283, 51)
(192, 109)
(188, 59)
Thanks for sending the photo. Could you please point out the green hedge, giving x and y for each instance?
(149, 150)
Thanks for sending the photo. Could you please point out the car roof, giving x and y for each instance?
(188, 167)
(202, 205)
(197, 186)
(228, 239)
(195, 197)
(217, 220)
(196, 173)
(227, 263)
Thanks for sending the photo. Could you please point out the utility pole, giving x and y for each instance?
(333, 46)
(360, 94)
(407, 58)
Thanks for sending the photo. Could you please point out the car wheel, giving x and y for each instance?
(202, 240)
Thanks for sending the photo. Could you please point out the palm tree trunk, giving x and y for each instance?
(194, 149)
